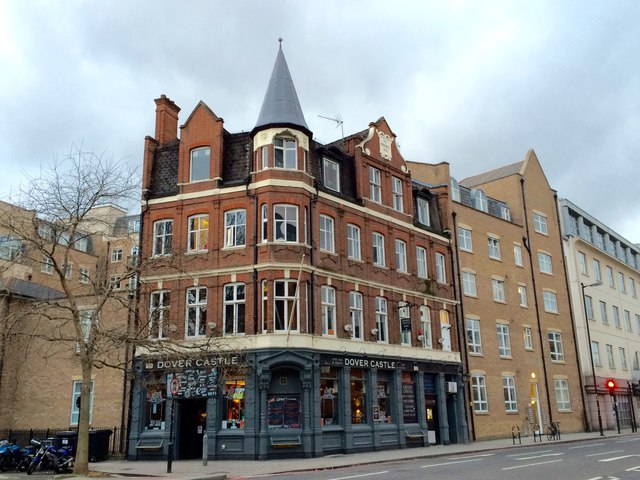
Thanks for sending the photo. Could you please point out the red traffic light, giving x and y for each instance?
(611, 386)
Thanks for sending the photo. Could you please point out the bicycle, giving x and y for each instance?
(553, 431)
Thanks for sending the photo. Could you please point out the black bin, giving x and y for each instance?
(68, 439)
(99, 445)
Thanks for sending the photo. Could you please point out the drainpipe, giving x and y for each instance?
(461, 327)
(573, 324)
(525, 241)
(312, 202)
(256, 214)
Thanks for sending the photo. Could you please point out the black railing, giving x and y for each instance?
(22, 437)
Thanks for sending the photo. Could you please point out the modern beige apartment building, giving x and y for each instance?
(520, 357)
(604, 276)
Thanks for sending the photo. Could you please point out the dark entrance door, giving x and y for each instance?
(192, 416)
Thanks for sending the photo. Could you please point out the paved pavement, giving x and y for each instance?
(237, 470)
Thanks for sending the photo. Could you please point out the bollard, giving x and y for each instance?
(205, 450)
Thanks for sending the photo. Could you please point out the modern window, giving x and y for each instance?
(331, 173)
(83, 275)
(544, 263)
(474, 340)
(285, 153)
(264, 220)
(358, 395)
(198, 233)
(505, 213)
(353, 242)
(623, 358)
(479, 394)
(375, 193)
(465, 240)
(621, 284)
(610, 280)
(159, 313)
(381, 319)
(522, 293)
(355, 314)
(422, 206)
(264, 156)
(196, 312)
(75, 402)
(497, 287)
(504, 341)
(528, 338)
(480, 200)
(401, 256)
(616, 317)
(603, 313)
(286, 310)
(596, 270)
(509, 390)
(396, 193)
(517, 254)
(632, 287)
(234, 308)
(378, 249)
(421, 260)
(562, 395)
(200, 159)
(162, 236)
(540, 224)
(328, 297)
(595, 353)
(425, 327)
(329, 396)
(116, 255)
(582, 262)
(550, 300)
(494, 248)
(326, 234)
(469, 284)
(627, 321)
(441, 271)
(455, 190)
(285, 223)
(404, 316)
(610, 360)
(47, 265)
(588, 301)
(555, 346)
(235, 228)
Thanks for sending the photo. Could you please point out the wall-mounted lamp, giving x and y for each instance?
(420, 337)
(212, 325)
(348, 328)
(374, 331)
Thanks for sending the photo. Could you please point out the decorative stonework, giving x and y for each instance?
(385, 145)
(363, 145)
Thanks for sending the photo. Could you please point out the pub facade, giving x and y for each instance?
(302, 297)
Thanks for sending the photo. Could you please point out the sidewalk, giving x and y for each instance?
(234, 469)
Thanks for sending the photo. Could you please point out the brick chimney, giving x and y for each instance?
(166, 120)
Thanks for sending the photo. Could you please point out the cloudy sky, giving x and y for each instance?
(474, 83)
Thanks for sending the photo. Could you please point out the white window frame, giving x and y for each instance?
(550, 301)
(596, 270)
(404, 313)
(528, 338)
(198, 233)
(480, 201)
(522, 293)
(47, 265)
(504, 340)
(595, 352)
(610, 280)
(288, 300)
(540, 223)
(509, 391)
(162, 236)
(603, 313)
(331, 174)
(378, 249)
(479, 393)
(616, 316)
(465, 239)
(375, 187)
(401, 256)
(76, 390)
(425, 327)
(621, 283)
(469, 286)
(623, 358)
(545, 263)
(288, 217)
(610, 359)
(474, 337)
(353, 242)
(493, 245)
(422, 206)
(355, 315)
(235, 228)
(396, 194)
(196, 304)
(234, 304)
(83, 274)
(441, 269)
(381, 320)
(287, 149)
(517, 255)
(627, 321)
(497, 287)
(556, 349)
(117, 254)
(328, 305)
(421, 262)
(327, 243)
(159, 308)
(195, 153)
(588, 301)
(563, 401)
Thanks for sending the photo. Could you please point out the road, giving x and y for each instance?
(603, 459)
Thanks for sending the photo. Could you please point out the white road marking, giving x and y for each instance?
(473, 456)
(360, 476)
(531, 457)
(633, 469)
(587, 446)
(450, 463)
(603, 453)
(629, 440)
(532, 464)
(529, 453)
(617, 458)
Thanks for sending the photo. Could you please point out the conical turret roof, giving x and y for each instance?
(280, 104)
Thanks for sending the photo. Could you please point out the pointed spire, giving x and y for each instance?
(280, 104)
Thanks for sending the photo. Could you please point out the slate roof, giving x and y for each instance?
(22, 288)
(491, 175)
(280, 104)
(236, 162)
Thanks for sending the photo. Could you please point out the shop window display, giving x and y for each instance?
(358, 396)
(382, 410)
(409, 412)
(156, 401)
(329, 396)
(234, 393)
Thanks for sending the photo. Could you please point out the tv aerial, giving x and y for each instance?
(338, 120)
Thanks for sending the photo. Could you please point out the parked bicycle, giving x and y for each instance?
(553, 431)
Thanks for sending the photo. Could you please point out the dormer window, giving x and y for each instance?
(422, 207)
(455, 190)
(200, 159)
(331, 174)
(286, 153)
(480, 201)
(505, 213)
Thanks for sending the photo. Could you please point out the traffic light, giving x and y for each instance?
(611, 386)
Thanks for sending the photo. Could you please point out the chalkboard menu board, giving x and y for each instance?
(283, 412)
(193, 383)
(409, 403)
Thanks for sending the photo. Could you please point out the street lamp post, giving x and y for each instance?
(593, 369)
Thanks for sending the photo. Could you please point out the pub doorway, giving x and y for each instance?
(191, 424)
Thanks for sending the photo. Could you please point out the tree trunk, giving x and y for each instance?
(82, 452)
